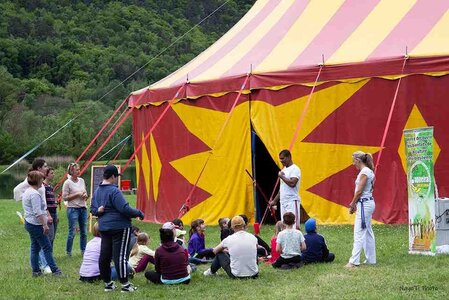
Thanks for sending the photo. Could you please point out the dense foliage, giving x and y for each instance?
(62, 58)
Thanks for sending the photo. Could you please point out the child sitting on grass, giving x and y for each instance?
(289, 244)
(316, 245)
(141, 255)
(90, 271)
(197, 243)
(274, 254)
(225, 231)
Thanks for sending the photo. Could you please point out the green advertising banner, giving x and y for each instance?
(420, 182)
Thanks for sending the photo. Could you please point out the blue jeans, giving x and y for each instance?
(40, 241)
(76, 215)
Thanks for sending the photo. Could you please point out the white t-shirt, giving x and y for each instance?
(288, 193)
(242, 247)
(368, 190)
(290, 240)
(22, 187)
(33, 206)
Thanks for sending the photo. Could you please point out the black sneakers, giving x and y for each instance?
(109, 287)
(128, 288)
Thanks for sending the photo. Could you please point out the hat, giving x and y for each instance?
(168, 225)
(237, 221)
(180, 232)
(310, 225)
(111, 170)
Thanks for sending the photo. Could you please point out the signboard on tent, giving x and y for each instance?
(420, 186)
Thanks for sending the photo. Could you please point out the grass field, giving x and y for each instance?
(397, 275)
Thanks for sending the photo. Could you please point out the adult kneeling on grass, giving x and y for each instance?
(236, 254)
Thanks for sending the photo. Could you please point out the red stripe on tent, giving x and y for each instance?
(259, 51)
(371, 68)
(412, 29)
(336, 31)
(235, 41)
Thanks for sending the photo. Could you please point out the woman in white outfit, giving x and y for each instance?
(363, 205)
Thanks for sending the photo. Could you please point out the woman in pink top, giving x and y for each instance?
(74, 192)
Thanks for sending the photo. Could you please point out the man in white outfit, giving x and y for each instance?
(290, 177)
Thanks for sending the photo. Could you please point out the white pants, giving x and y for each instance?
(294, 207)
(364, 238)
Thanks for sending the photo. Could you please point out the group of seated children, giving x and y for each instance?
(236, 254)
(292, 249)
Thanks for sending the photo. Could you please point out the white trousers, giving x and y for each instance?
(294, 207)
(364, 238)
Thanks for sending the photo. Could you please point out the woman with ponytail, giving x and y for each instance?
(363, 205)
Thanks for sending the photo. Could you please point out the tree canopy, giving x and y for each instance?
(62, 58)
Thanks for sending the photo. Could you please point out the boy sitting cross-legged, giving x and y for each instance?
(290, 242)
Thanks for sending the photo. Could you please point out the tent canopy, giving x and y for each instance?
(281, 44)
(298, 35)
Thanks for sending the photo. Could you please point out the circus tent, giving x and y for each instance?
(321, 77)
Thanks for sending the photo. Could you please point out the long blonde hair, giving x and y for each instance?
(365, 158)
(278, 227)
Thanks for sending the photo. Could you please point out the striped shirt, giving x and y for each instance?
(50, 198)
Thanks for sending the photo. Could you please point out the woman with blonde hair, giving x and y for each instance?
(363, 205)
(74, 192)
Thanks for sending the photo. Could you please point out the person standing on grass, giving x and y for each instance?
(40, 165)
(36, 223)
(290, 242)
(74, 192)
(363, 205)
(290, 177)
(236, 254)
(51, 203)
(114, 219)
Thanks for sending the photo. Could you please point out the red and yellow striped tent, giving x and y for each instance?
(278, 48)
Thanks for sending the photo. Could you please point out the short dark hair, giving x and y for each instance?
(49, 170)
(38, 163)
(167, 235)
(285, 153)
(178, 222)
(289, 218)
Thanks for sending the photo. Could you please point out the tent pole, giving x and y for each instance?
(186, 206)
(298, 126)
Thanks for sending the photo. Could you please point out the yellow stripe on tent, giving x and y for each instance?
(364, 40)
(246, 45)
(317, 13)
(437, 40)
(205, 55)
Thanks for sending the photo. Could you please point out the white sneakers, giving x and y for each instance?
(208, 272)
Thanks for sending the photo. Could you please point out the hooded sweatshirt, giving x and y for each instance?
(171, 261)
(117, 212)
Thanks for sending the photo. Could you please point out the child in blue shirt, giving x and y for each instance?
(316, 245)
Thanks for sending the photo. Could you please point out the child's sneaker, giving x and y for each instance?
(58, 273)
(208, 272)
(128, 288)
(37, 274)
(109, 287)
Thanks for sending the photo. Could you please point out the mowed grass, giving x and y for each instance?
(397, 275)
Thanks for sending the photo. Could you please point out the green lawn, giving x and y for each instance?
(398, 275)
